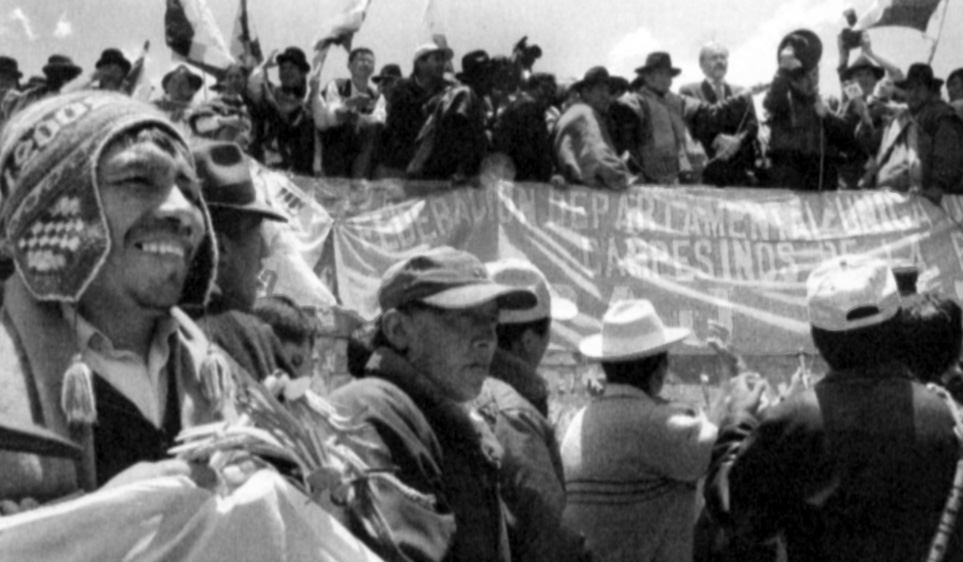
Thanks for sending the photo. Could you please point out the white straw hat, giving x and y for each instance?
(631, 329)
(523, 275)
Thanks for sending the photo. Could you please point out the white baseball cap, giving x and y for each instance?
(521, 274)
(850, 292)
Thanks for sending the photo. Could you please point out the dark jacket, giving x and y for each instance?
(940, 146)
(521, 132)
(407, 112)
(431, 444)
(857, 468)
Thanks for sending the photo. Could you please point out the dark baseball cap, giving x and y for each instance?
(226, 180)
(448, 278)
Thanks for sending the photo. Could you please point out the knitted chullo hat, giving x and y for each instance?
(52, 221)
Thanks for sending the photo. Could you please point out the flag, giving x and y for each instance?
(244, 42)
(901, 13)
(342, 28)
(191, 33)
(135, 85)
(436, 30)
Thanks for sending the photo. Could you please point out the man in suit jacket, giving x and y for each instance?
(740, 168)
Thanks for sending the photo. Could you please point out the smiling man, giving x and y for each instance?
(103, 217)
(435, 341)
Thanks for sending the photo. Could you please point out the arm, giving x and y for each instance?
(327, 107)
(891, 69)
(258, 81)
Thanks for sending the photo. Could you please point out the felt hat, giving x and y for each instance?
(8, 67)
(181, 70)
(295, 56)
(473, 65)
(114, 56)
(806, 46)
(388, 72)
(862, 62)
(226, 180)
(658, 60)
(594, 76)
(631, 329)
(920, 73)
(61, 66)
(447, 278)
(850, 292)
(522, 274)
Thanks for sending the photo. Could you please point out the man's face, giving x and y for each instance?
(240, 262)
(917, 94)
(111, 77)
(866, 80)
(151, 201)
(290, 75)
(454, 348)
(362, 66)
(715, 63)
(599, 96)
(658, 80)
(954, 88)
(432, 66)
(235, 81)
(179, 88)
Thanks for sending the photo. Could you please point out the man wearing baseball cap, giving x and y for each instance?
(432, 351)
(515, 400)
(632, 459)
(859, 466)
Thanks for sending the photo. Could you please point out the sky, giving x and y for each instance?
(574, 34)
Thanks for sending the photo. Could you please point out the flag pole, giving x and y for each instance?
(939, 33)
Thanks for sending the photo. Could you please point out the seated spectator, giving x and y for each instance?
(58, 71)
(180, 86)
(434, 343)
(294, 328)
(236, 216)
(111, 70)
(350, 114)
(584, 150)
(858, 466)
(93, 345)
(632, 459)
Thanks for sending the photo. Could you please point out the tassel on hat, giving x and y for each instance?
(77, 394)
(215, 376)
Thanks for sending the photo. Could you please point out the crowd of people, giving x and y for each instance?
(131, 257)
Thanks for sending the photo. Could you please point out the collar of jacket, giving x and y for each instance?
(455, 425)
(517, 373)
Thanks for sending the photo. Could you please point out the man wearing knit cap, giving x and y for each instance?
(432, 350)
(102, 216)
(860, 465)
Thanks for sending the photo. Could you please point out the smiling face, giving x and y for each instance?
(151, 199)
(362, 66)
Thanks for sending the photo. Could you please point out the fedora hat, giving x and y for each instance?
(388, 72)
(920, 73)
(193, 79)
(296, 57)
(631, 329)
(60, 66)
(595, 75)
(806, 46)
(114, 56)
(862, 62)
(9, 67)
(474, 65)
(226, 181)
(656, 60)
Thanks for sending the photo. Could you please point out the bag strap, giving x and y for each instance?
(947, 523)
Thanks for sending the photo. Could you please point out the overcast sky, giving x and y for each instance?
(574, 34)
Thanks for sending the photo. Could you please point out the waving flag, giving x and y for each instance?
(134, 83)
(432, 21)
(191, 33)
(244, 42)
(342, 28)
(902, 13)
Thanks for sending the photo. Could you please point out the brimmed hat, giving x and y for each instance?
(862, 62)
(920, 73)
(473, 65)
(9, 67)
(594, 76)
(806, 46)
(226, 180)
(295, 56)
(658, 60)
(850, 292)
(388, 72)
(432, 47)
(51, 217)
(631, 329)
(522, 274)
(447, 278)
(181, 70)
(62, 67)
(114, 56)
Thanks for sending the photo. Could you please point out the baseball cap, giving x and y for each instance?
(522, 274)
(850, 292)
(447, 278)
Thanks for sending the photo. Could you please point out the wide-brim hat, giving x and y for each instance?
(631, 329)
(524, 275)
(656, 61)
(447, 278)
(432, 47)
(114, 56)
(388, 72)
(295, 56)
(226, 182)
(594, 76)
(920, 73)
(862, 63)
(473, 65)
(806, 45)
(9, 67)
(193, 79)
(61, 66)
